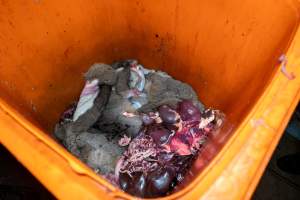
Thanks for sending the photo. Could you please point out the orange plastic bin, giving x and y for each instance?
(227, 50)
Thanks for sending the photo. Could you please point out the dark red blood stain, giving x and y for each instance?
(185, 138)
(68, 114)
(67, 51)
(176, 145)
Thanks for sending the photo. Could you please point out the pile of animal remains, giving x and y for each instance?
(139, 128)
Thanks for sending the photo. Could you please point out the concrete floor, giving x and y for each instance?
(276, 184)
(16, 183)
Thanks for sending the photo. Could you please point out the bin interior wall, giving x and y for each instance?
(227, 50)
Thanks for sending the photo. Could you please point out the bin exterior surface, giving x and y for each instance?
(227, 50)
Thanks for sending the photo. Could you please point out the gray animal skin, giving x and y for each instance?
(94, 136)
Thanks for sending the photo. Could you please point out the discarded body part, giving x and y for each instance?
(139, 128)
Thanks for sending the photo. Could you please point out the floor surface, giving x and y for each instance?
(275, 183)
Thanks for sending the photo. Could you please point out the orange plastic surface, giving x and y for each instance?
(227, 50)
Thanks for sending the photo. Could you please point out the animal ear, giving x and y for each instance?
(104, 73)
